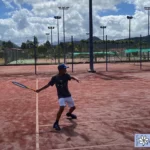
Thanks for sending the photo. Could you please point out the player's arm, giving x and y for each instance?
(75, 78)
(43, 88)
(51, 83)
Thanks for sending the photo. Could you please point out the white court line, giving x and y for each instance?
(96, 146)
(37, 118)
(111, 119)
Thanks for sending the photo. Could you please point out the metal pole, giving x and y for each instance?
(58, 17)
(5, 56)
(91, 36)
(64, 8)
(58, 41)
(72, 53)
(51, 27)
(129, 17)
(106, 56)
(16, 56)
(129, 39)
(129, 32)
(58, 30)
(148, 28)
(103, 37)
(51, 37)
(103, 27)
(148, 22)
(140, 52)
(64, 36)
(148, 9)
(51, 40)
(103, 34)
(35, 57)
(47, 34)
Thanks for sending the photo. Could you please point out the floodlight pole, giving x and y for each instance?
(51, 34)
(51, 27)
(64, 8)
(148, 9)
(47, 35)
(106, 55)
(103, 27)
(129, 17)
(58, 17)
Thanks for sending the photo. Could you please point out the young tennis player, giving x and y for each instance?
(64, 96)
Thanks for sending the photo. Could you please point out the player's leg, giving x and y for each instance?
(59, 113)
(71, 104)
(72, 109)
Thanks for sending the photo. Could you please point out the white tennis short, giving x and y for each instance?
(67, 100)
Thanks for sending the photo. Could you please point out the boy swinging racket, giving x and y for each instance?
(64, 96)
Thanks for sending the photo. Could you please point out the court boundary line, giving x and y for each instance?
(94, 146)
(37, 118)
(143, 118)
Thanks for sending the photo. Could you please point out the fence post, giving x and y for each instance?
(35, 57)
(140, 52)
(106, 55)
(5, 56)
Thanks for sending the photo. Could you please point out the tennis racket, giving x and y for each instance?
(22, 86)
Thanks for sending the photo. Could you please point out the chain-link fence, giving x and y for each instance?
(34, 51)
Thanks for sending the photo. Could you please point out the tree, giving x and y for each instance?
(29, 44)
(83, 42)
(23, 45)
(61, 47)
(8, 44)
(42, 50)
(4, 44)
(47, 45)
(69, 47)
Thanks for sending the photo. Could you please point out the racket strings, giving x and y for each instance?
(19, 84)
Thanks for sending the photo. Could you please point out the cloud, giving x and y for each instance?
(8, 3)
(23, 23)
(20, 17)
(140, 4)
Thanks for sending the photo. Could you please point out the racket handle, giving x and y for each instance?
(32, 89)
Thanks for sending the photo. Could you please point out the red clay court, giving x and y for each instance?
(111, 106)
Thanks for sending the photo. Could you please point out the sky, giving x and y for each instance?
(20, 20)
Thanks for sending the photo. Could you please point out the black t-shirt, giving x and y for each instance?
(61, 83)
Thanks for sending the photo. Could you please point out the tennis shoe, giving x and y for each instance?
(71, 115)
(56, 126)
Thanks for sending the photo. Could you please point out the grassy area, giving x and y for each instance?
(23, 61)
(2, 61)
